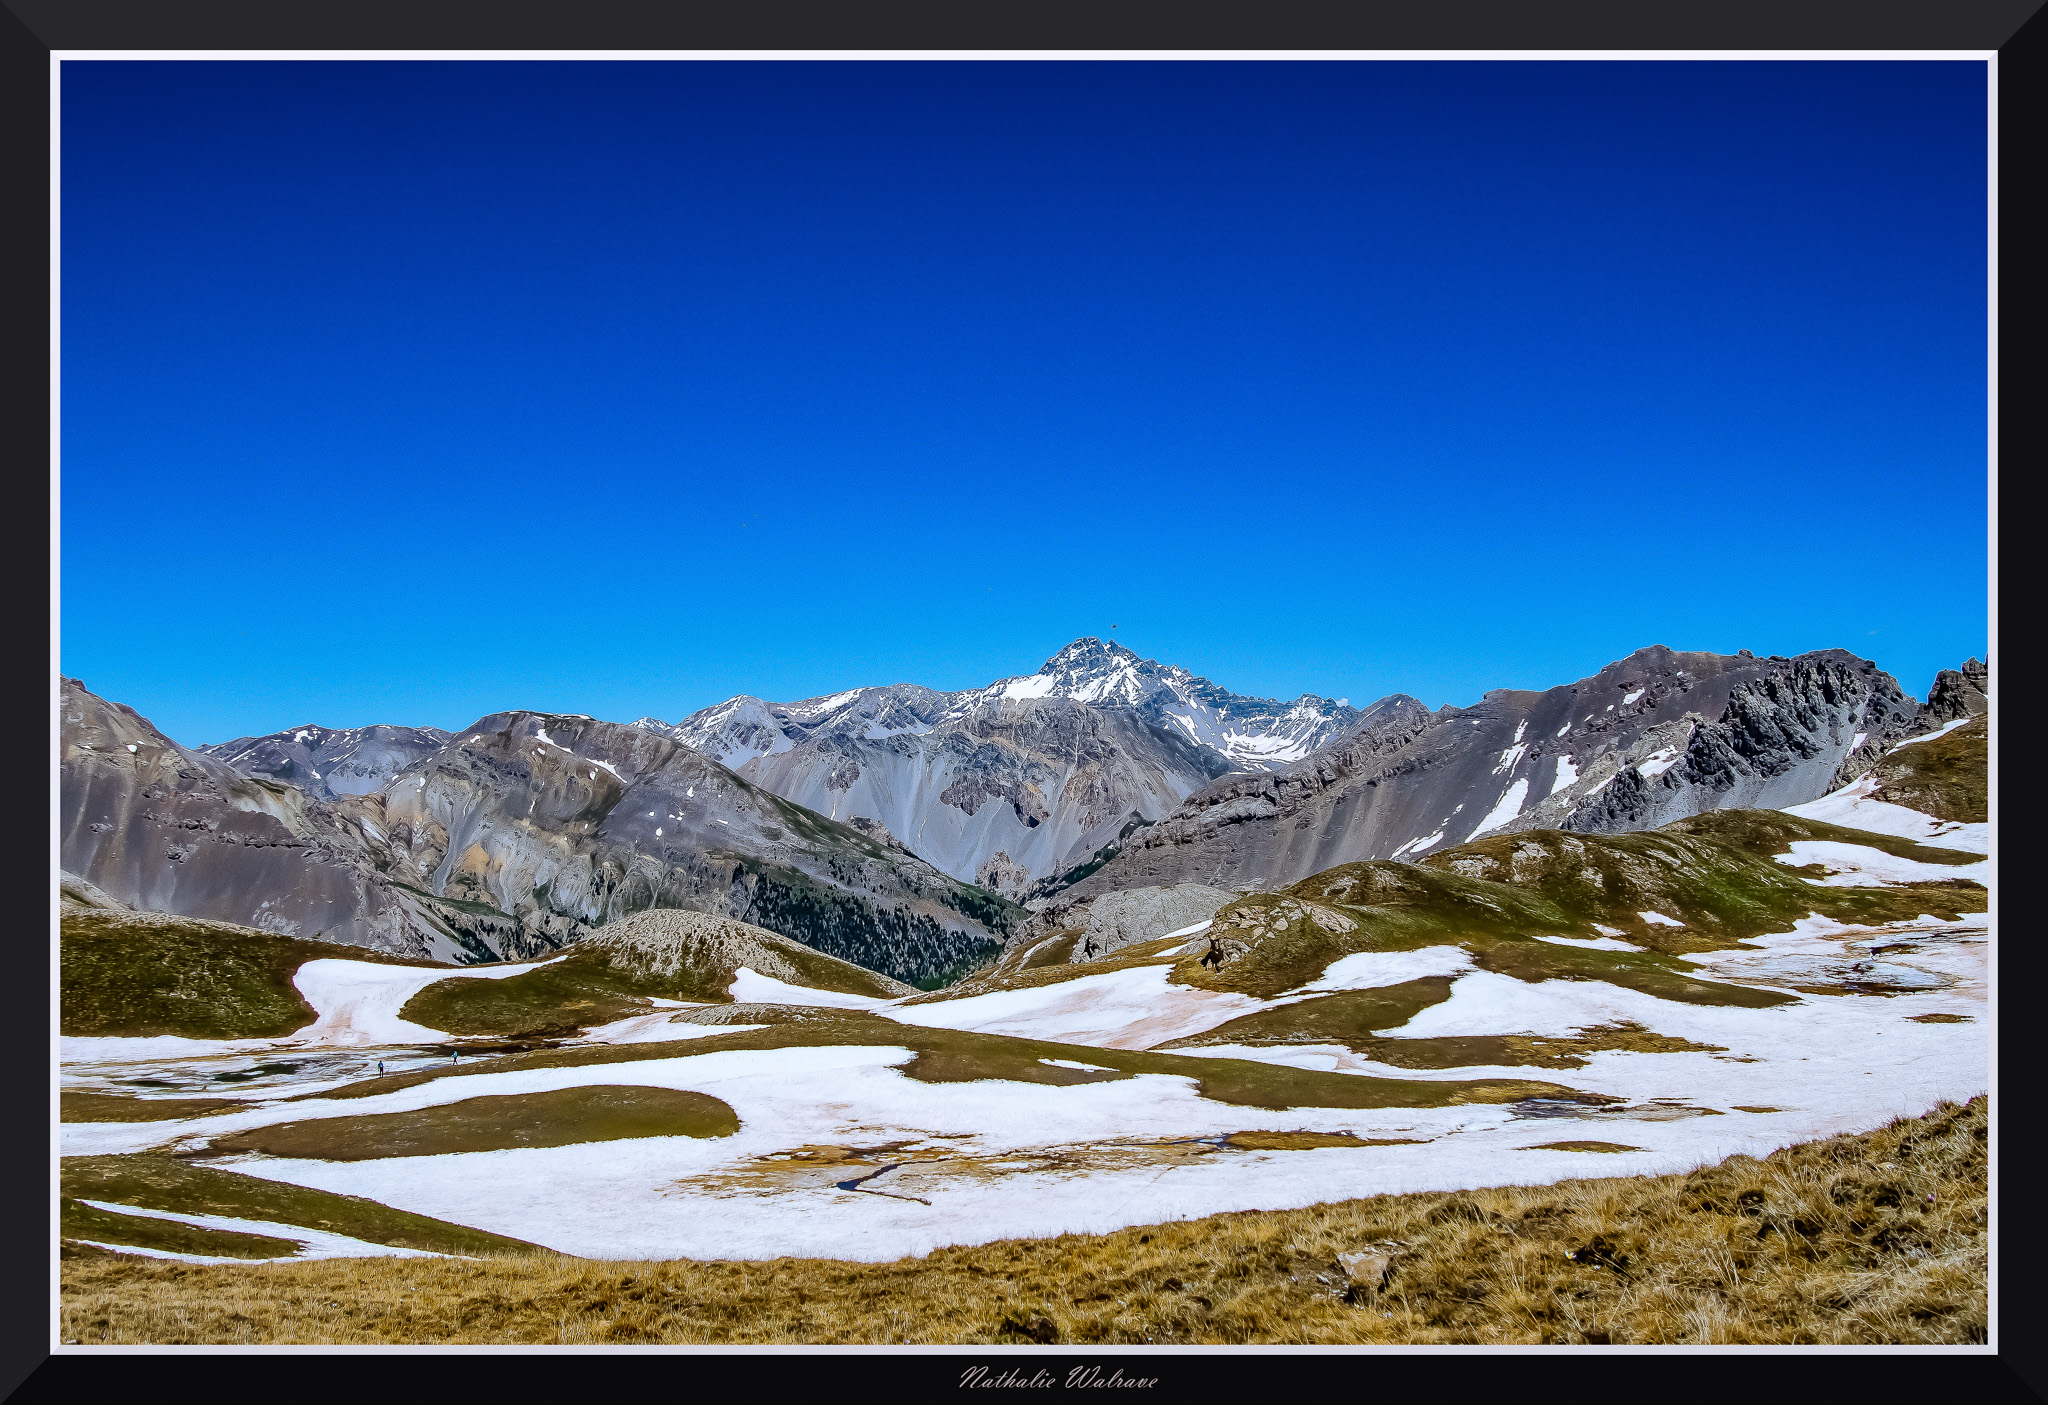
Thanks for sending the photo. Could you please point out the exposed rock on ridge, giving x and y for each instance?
(1012, 783)
(1653, 737)
(329, 762)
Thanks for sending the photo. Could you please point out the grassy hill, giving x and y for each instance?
(141, 974)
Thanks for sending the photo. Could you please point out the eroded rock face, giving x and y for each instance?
(161, 828)
(1657, 736)
(517, 837)
(1040, 770)
(328, 762)
(1960, 693)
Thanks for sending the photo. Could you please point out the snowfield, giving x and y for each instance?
(997, 1159)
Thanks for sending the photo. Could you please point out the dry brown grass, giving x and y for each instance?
(1879, 1238)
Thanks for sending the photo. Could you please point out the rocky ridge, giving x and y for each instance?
(516, 837)
(1008, 784)
(329, 762)
(1654, 737)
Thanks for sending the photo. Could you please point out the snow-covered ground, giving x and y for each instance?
(358, 1001)
(982, 1152)
(1852, 806)
(1860, 866)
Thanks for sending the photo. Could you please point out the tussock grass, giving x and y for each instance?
(1877, 1238)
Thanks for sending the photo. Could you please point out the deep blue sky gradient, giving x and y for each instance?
(409, 392)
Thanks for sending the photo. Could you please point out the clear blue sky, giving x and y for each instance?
(408, 392)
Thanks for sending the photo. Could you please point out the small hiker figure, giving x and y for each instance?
(380, 1066)
(454, 1057)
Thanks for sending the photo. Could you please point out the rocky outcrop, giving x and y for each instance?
(1959, 693)
(1653, 737)
(1116, 920)
(164, 829)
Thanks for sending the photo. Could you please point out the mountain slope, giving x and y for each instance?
(511, 840)
(329, 762)
(1010, 783)
(1652, 738)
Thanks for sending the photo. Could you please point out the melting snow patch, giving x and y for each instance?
(1596, 943)
(1909, 741)
(1069, 1063)
(1609, 931)
(1660, 761)
(1632, 697)
(317, 1243)
(1510, 805)
(1859, 866)
(1418, 844)
(1567, 773)
(1660, 919)
(1852, 807)
(751, 987)
(1366, 970)
(358, 1001)
(1134, 1008)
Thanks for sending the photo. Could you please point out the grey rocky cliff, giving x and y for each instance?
(567, 822)
(161, 828)
(1651, 738)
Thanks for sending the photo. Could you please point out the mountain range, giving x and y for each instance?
(899, 827)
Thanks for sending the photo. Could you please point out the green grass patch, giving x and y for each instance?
(1948, 779)
(142, 974)
(1348, 1017)
(1497, 895)
(76, 1105)
(157, 1182)
(1298, 1141)
(1767, 833)
(558, 1000)
(562, 1117)
(77, 1221)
